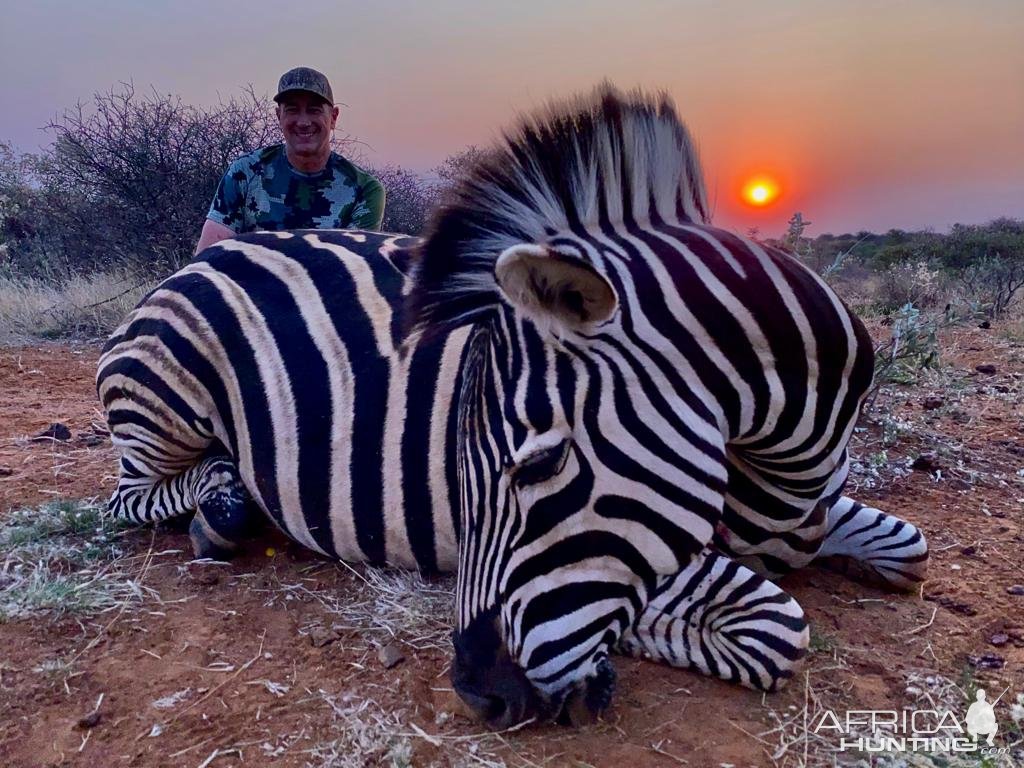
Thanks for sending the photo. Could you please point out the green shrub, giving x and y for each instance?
(912, 283)
(913, 346)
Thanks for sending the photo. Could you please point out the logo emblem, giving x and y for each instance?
(981, 717)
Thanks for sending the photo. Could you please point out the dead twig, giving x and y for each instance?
(656, 747)
(216, 688)
(931, 621)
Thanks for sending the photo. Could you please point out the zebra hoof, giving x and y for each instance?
(207, 543)
(875, 548)
(905, 576)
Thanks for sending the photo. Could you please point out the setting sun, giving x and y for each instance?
(760, 191)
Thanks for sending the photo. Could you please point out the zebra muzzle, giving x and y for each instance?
(497, 690)
(499, 694)
(494, 688)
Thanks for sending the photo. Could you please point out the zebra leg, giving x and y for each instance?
(211, 488)
(774, 531)
(724, 620)
(872, 547)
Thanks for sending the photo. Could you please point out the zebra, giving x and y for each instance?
(615, 422)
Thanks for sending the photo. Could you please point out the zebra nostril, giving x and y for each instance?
(484, 707)
(499, 708)
(496, 710)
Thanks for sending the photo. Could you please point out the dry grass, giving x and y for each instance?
(792, 741)
(84, 306)
(390, 605)
(64, 558)
(365, 733)
(361, 732)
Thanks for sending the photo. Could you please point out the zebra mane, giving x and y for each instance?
(607, 156)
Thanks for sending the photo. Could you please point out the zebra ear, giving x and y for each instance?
(554, 288)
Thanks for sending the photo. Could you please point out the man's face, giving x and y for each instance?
(306, 122)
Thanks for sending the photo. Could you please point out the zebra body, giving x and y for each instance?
(608, 416)
(285, 350)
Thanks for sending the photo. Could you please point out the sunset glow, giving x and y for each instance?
(862, 125)
(760, 191)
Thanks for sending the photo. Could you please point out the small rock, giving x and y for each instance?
(6, 471)
(926, 462)
(205, 577)
(1012, 447)
(932, 402)
(986, 368)
(390, 655)
(999, 639)
(987, 661)
(968, 551)
(953, 605)
(55, 431)
(89, 721)
(321, 636)
(1016, 589)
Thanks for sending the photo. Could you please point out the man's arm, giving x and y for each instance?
(226, 216)
(370, 213)
(213, 232)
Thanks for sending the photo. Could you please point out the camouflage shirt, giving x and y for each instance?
(261, 190)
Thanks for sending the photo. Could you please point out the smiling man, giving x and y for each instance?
(300, 184)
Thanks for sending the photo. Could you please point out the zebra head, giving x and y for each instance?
(573, 504)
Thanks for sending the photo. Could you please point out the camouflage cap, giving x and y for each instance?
(304, 79)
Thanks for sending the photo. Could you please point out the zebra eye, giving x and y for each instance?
(541, 465)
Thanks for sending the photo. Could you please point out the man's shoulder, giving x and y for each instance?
(254, 163)
(358, 176)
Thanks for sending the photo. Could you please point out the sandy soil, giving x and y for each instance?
(237, 638)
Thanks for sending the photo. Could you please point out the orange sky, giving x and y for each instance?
(870, 114)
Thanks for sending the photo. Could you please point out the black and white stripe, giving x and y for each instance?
(284, 353)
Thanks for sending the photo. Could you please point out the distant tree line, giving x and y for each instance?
(981, 263)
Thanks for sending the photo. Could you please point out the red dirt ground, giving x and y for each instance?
(865, 642)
